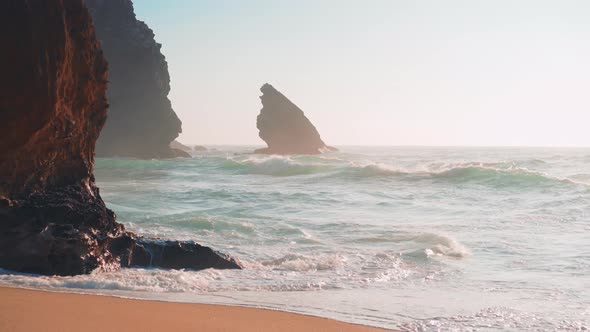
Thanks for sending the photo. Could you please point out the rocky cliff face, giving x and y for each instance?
(284, 127)
(52, 101)
(141, 121)
(52, 108)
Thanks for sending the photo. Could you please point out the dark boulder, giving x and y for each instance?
(63, 231)
(175, 255)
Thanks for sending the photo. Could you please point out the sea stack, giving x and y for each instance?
(52, 108)
(141, 121)
(284, 127)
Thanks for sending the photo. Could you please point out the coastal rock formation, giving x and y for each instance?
(52, 101)
(173, 255)
(176, 145)
(284, 127)
(179, 146)
(52, 108)
(141, 122)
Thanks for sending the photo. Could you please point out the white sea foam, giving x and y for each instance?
(441, 245)
(423, 244)
(495, 319)
(496, 173)
(149, 280)
(287, 272)
(294, 262)
(501, 172)
(379, 169)
(273, 165)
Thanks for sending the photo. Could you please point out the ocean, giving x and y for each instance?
(411, 238)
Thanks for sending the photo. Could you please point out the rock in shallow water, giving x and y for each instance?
(173, 255)
(70, 231)
(284, 127)
(64, 231)
(52, 108)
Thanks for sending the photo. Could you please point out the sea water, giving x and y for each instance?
(412, 238)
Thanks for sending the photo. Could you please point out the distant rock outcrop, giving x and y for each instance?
(176, 145)
(52, 108)
(141, 122)
(284, 127)
(179, 146)
(180, 149)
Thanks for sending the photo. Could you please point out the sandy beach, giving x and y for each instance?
(31, 310)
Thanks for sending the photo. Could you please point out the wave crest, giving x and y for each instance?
(295, 262)
(436, 245)
(518, 172)
(501, 174)
(272, 165)
(424, 245)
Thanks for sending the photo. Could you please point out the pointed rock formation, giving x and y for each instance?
(141, 122)
(52, 108)
(284, 127)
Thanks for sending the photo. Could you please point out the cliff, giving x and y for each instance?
(141, 122)
(284, 127)
(52, 108)
(52, 102)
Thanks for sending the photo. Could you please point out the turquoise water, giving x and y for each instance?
(417, 239)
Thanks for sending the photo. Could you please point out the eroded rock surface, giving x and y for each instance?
(52, 108)
(285, 128)
(141, 122)
(176, 145)
(52, 102)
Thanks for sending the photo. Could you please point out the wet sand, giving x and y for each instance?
(32, 310)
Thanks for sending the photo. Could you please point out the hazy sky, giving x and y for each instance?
(472, 72)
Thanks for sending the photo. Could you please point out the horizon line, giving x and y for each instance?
(411, 145)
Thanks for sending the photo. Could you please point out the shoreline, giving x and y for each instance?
(23, 309)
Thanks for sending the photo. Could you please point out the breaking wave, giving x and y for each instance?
(436, 245)
(465, 172)
(500, 174)
(272, 165)
(286, 272)
(424, 245)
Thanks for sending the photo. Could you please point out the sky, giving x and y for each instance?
(381, 72)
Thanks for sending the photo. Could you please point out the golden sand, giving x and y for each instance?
(31, 310)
